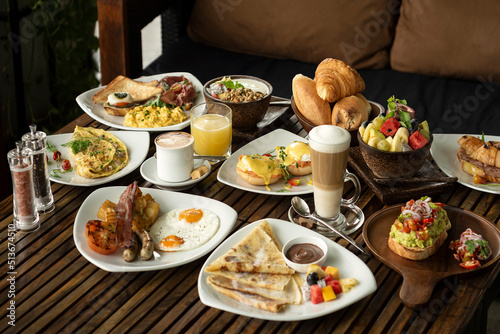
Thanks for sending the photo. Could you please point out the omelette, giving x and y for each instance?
(96, 152)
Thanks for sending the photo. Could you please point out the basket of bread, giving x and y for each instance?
(333, 97)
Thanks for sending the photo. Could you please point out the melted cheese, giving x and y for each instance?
(263, 166)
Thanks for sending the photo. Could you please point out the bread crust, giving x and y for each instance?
(117, 111)
(308, 102)
(336, 80)
(351, 111)
(299, 171)
(417, 253)
(254, 179)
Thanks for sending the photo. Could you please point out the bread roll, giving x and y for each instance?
(314, 109)
(336, 80)
(351, 111)
(417, 253)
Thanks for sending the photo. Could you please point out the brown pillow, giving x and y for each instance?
(357, 32)
(453, 38)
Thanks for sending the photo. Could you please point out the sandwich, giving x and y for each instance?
(480, 159)
(259, 170)
(123, 94)
(419, 230)
(296, 158)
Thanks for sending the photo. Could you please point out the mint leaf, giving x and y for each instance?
(404, 119)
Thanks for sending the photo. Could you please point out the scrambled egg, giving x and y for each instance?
(154, 117)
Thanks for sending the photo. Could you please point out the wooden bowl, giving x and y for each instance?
(386, 164)
(377, 109)
(245, 115)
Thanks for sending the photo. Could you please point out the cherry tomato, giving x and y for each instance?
(294, 181)
(422, 235)
(66, 164)
(472, 264)
(176, 87)
(121, 104)
(56, 156)
(215, 96)
(101, 237)
(267, 155)
(406, 229)
(428, 220)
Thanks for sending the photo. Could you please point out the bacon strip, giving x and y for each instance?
(125, 216)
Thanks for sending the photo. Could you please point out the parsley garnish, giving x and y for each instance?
(78, 145)
(51, 147)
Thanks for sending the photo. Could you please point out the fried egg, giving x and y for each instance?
(184, 229)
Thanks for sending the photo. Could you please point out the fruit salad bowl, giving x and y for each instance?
(387, 164)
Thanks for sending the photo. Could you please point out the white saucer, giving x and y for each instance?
(354, 219)
(148, 172)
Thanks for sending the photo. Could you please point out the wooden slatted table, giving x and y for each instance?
(55, 289)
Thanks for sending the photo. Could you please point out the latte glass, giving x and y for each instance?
(329, 151)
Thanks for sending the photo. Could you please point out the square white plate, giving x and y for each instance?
(97, 112)
(350, 266)
(444, 151)
(227, 172)
(168, 201)
(137, 144)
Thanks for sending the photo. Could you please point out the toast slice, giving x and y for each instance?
(140, 91)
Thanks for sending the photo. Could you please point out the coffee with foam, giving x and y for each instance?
(329, 151)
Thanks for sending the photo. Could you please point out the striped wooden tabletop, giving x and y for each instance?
(52, 288)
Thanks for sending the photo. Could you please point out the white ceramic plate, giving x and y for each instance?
(97, 112)
(148, 172)
(227, 172)
(348, 263)
(444, 151)
(168, 201)
(137, 144)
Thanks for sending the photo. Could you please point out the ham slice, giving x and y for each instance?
(181, 98)
(125, 216)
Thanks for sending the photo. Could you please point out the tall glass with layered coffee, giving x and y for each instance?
(329, 151)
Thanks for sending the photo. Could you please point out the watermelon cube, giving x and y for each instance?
(335, 284)
(316, 294)
(417, 140)
(390, 127)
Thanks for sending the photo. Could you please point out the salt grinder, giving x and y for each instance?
(21, 168)
(37, 142)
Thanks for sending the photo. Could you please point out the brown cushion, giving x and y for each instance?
(448, 38)
(358, 32)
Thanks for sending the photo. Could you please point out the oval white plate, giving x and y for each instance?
(137, 144)
(444, 151)
(168, 201)
(97, 112)
(348, 263)
(227, 172)
(148, 172)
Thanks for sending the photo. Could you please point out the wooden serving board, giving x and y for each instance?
(400, 192)
(420, 277)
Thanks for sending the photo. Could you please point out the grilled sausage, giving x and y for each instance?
(130, 253)
(147, 243)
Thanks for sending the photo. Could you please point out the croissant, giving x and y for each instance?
(336, 80)
(479, 158)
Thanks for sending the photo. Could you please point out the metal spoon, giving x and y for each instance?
(300, 206)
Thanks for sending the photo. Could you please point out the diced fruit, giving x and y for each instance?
(377, 123)
(424, 126)
(425, 134)
(361, 130)
(366, 134)
(417, 140)
(396, 144)
(406, 147)
(328, 278)
(316, 294)
(335, 284)
(390, 126)
(348, 284)
(402, 133)
(306, 292)
(376, 133)
(384, 145)
(374, 141)
(312, 278)
(332, 271)
(317, 269)
(328, 293)
(322, 283)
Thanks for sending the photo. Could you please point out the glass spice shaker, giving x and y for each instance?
(37, 142)
(21, 168)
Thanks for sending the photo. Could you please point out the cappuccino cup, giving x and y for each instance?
(174, 156)
(329, 151)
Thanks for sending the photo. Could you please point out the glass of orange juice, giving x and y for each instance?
(211, 127)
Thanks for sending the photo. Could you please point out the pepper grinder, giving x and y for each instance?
(21, 168)
(37, 142)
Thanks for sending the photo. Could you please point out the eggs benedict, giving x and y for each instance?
(258, 170)
(296, 157)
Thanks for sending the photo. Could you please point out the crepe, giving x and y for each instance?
(253, 300)
(268, 281)
(290, 295)
(256, 253)
(97, 153)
